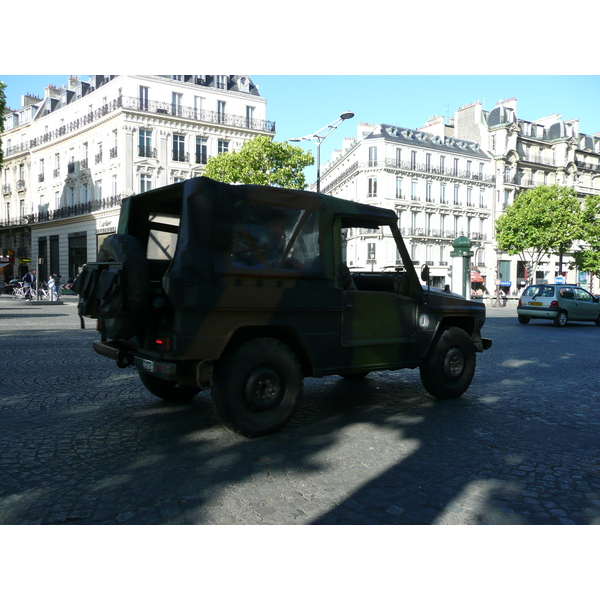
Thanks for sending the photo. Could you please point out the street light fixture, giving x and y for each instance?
(320, 136)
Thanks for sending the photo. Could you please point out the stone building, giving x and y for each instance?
(441, 187)
(73, 154)
(525, 154)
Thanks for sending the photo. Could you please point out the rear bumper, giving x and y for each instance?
(537, 313)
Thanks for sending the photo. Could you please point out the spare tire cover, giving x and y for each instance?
(133, 294)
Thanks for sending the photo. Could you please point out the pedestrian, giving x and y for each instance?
(29, 280)
(57, 283)
(52, 288)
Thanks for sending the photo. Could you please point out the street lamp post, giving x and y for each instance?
(320, 136)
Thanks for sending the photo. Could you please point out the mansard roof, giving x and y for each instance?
(413, 137)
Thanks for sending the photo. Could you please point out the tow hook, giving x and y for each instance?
(124, 360)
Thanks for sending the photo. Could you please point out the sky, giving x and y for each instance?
(303, 104)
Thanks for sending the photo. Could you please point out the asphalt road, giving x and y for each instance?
(83, 442)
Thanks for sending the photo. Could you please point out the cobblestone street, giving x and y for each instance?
(83, 442)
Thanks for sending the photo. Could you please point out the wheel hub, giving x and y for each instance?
(454, 363)
(263, 389)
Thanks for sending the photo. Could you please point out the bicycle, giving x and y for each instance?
(22, 292)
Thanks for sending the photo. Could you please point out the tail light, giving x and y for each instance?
(163, 344)
(554, 304)
(520, 302)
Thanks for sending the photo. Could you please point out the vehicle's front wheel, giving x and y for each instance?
(561, 319)
(523, 320)
(449, 368)
(256, 387)
(171, 391)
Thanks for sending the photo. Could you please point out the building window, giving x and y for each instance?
(371, 253)
(456, 200)
(372, 191)
(428, 162)
(481, 198)
(456, 166)
(84, 194)
(221, 82)
(442, 193)
(145, 182)
(468, 168)
(373, 156)
(221, 111)
(201, 150)
(398, 188)
(398, 156)
(249, 116)
(469, 197)
(143, 97)
(179, 147)
(428, 191)
(413, 159)
(145, 148)
(442, 163)
(413, 190)
(222, 147)
(176, 100)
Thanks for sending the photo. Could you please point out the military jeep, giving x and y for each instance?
(244, 289)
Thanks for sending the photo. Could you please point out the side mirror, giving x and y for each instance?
(425, 273)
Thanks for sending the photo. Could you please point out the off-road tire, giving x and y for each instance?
(256, 387)
(523, 320)
(561, 319)
(448, 369)
(170, 391)
(135, 292)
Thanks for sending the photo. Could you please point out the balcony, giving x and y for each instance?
(181, 156)
(84, 163)
(202, 158)
(98, 158)
(56, 173)
(6, 189)
(146, 152)
(113, 152)
(21, 185)
(196, 114)
(40, 178)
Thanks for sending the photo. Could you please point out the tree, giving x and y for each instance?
(263, 162)
(542, 221)
(588, 257)
(2, 109)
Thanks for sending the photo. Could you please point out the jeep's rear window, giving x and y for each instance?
(162, 238)
(267, 237)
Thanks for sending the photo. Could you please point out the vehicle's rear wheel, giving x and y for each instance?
(256, 387)
(561, 319)
(128, 303)
(449, 368)
(171, 391)
(523, 320)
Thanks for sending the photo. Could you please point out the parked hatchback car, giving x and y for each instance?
(559, 302)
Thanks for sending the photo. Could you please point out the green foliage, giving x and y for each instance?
(263, 162)
(2, 109)
(541, 221)
(588, 258)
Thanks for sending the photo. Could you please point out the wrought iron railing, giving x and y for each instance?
(151, 106)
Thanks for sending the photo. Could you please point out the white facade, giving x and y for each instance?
(440, 187)
(526, 154)
(71, 156)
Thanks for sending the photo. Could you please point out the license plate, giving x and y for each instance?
(535, 304)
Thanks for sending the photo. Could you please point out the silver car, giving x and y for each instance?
(559, 302)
